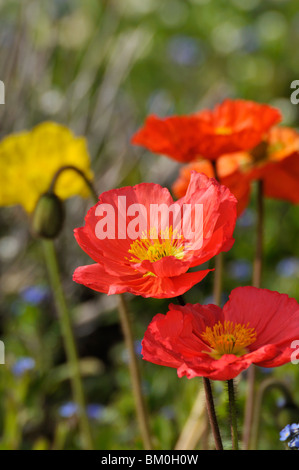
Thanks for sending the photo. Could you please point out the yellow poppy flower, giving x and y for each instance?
(30, 159)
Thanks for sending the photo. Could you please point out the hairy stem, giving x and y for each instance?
(77, 170)
(69, 342)
(217, 289)
(233, 414)
(258, 260)
(256, 282)
(209, 402)
(212, 413)
(135, 374)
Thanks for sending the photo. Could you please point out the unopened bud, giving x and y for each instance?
(48, 216)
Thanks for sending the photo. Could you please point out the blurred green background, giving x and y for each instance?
(100, 67)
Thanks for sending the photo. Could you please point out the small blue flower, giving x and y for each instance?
(265, 370)
(246, 219)
(210, 299)
(23, 365)
(290, 430)
(68, 410)
(185, 50)
(138, 347)
(95, 410)
(35, 295)
(288, 267)
(239, 269)
(250, 41)
(294, 443)
(285, 433)
(295, 427)
(168, 412)
(281, 402)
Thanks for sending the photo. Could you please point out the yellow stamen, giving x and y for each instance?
(228, 338)
(223, 130)
(153, 247)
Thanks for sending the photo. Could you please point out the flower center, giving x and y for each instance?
(260, 152)
(223, 130)
(153, 247)
(228, 338)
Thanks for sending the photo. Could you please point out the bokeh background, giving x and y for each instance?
(100, 67)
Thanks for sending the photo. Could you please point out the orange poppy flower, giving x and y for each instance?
(235, 126)
(228, 173)
(276, 163)
(176, 137)
(232, 126)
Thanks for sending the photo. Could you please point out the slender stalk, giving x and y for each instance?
(233, 414)
(257, 267)
(212, 413)
(77, 170)
(265, 386)
(217, 289)
(195, 426)
(209, 403)
(69, 342)
(135, 374)
(256, 282)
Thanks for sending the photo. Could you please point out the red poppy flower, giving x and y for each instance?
(228, 173)
(150, 254)
(256, 326)
(232, 126)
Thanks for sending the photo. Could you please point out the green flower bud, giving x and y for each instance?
(48, 216)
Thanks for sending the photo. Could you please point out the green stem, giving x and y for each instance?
(264, 387)
(217, 288)
(258, 261)
(256, 282)
(212, 413)
(233, 414)
(69, 342)
(209, 402)
(80, 172)
(142, 414)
